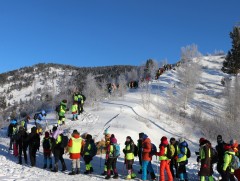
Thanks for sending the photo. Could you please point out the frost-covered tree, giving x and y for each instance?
(231, 65)
(91, 90)
(122, 85)
(189, 52)
(189, 75)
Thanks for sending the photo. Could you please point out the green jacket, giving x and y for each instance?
(227, 160)
(63, 107)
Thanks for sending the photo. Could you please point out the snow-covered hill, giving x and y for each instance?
(127, 117)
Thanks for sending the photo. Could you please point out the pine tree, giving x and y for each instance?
(231, 65)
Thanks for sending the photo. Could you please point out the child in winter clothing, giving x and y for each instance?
(129, 157)
(47, 150)
(173, 162)
(12, 130)
(220, 150)
(87, 153)
(111, 160)
(22, 144)
(74, 147)
(75, 111)
(228, 172)
(62, 111)
(164, 160)
(57, 150)
(205, 154)
(34, 144)
(139, 145)
(182, 159)
(146, 158)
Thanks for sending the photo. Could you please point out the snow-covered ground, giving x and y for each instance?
(127, 117)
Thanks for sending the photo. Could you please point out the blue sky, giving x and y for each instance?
(110, 32)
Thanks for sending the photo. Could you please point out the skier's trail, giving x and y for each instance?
(163, 129)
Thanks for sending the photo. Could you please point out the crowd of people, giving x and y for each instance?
(173, 153)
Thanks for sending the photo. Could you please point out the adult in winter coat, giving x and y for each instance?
(57, 151)
(34, 144)
(78, 97)
(129, 157)
(139, 145)
(47, 150)
(22, 143)
(182, 159)
(88, 153)
(164, 160)
(228, 172)
(74, 148)
(111, 159)
(205, 154)
(173, 162)
(12, 130)
(146, 158)
(220, 153)
(61, 113)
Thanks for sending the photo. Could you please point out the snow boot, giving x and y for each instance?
(133, 175)
(153, 176)
(50, 166)
(104, 173)
(115, 176)
(128, 177)
(91, 169)
(78, 171)
(87, 172)
(44, 166)
(73, 172)
(55, 169)
(108, 177)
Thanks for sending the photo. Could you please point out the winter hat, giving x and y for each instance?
(88, 137)
(181, 140)
(46, 134)
(144, 136)
(164, 138)
(113, 140)
(75, 132)
(54, 128)
(34, 129)
(201, 140)
(112, 136)
(141, 135)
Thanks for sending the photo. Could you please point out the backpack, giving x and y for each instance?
(188, 153)
(235, 163)
(46, 144)
(22, 123)
(58, 108)
(169, 152)
(153, 149)
(135, 150)
(116, 151)
(93, 149)
(214, 156)
(64, 141)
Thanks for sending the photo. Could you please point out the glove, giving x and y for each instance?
(205, 165)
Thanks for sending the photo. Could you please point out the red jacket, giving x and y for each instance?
(70, 144)
(146, 146)
(162, 147)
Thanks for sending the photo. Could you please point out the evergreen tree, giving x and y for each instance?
(231, 65)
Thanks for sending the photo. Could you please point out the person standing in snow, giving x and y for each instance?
(129, 157)
(75, 111)
(146, 158)
(39, 117)
(173, 163)
(164, 160)
(228, 172)
(75, 145)
(111, 160)
(47, 150)
(12, 130)
(57, 150)
(34, 144)
(62, 111)
(220, 153)
(139, 145)
(182, 159)
(205, 154)
(22, 143)
(87, 153)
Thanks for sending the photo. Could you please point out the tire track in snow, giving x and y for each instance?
(151, 121)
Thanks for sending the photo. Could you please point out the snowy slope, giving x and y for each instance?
(127, 117)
